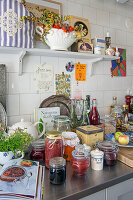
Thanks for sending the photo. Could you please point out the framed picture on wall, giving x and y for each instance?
(84, 23)
(42, 4)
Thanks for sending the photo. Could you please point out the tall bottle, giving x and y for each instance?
(94, 116)
(113, 104)
(85, 118)
(128, 100)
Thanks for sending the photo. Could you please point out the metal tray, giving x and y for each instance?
(58, 101)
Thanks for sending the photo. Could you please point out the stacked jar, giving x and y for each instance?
(70, 140)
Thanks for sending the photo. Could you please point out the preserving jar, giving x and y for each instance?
(61, 123)
(38, 150)
(80, 160)
(53, 146)
(97, 159)
(70, 140)
(110, 152)
(57, 170)
(109, 124)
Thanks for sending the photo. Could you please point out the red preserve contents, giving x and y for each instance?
(38, 150)
(110, 152)
(80, 166)
(94, 116)
(80, 160)
(53, 148)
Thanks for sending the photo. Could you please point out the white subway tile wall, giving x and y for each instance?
(103, 15)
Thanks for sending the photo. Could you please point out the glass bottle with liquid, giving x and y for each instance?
(113, 104)
(94, 116)
(85, 118)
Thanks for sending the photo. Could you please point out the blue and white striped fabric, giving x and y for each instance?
(13, 32)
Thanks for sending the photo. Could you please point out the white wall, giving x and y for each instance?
(103, 15)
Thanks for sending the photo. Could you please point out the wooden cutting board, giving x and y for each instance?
(125, 155)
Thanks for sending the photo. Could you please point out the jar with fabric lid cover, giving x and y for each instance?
(53, 146)
(70, 140)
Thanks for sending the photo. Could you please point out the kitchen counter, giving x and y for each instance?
(77, 187)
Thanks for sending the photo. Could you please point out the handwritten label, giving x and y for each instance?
(80, 72)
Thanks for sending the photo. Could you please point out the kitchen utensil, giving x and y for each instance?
(125, 155)
(27, 127)
(58, 101)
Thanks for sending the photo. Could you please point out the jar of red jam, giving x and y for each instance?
(53, 146)
(38, 150)
(110, 150)
(80, 160)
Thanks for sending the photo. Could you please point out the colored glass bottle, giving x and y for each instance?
(94, 115)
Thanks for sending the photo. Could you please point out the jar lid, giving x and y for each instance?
(87, 148)
(53, 133)
(97, 153)
(97, 47)
(57, 162)
(80, 152)
(69, 135)
(38, 143)
(106, 145)
(61, 119)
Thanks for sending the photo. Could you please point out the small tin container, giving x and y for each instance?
(57, 170)
(97, 159)
(97, 50)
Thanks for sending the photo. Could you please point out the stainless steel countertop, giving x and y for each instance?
(77, 187)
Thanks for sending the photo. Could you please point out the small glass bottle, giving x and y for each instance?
(85, 119)
(74, 122)
(128, 100)
(125, 114)
(113, 104)
(94, 116)
(107, 40)
(131, 105)
(57, 170)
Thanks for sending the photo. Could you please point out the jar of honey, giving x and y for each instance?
(70, 140)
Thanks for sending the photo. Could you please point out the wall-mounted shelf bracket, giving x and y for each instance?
(20, 60)
(91, 62)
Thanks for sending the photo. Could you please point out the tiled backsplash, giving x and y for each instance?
(103, 15)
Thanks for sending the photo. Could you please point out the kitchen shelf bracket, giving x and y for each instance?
(20, 60)
(91, 62)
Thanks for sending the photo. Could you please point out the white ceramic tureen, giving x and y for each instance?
(27, 127)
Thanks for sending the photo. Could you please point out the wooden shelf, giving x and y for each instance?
(21, 52)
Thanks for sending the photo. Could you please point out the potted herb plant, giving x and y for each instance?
(55, 30)
(13, 144)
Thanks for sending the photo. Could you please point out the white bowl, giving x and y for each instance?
(57, 39)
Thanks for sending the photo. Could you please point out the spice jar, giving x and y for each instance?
(57, 170)
(53, 146)
(80, 160)
(70, 140)
(110, 150)
(38, 150)
(97, 159)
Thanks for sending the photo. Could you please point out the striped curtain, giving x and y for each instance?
(13, 32)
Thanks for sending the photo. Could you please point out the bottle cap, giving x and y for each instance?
(114, 98)
(107, 34)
